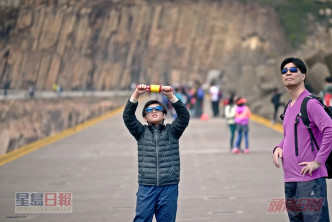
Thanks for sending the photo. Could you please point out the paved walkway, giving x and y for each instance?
(99, 166)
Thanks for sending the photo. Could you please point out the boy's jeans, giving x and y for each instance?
(307, 201)
(161, 201)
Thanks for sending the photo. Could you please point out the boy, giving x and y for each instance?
(158, 154)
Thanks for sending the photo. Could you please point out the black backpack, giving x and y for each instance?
(305, 119)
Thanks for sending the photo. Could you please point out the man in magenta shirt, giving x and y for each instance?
(304, 173)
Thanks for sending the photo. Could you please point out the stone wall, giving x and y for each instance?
(25, 121)
(105, 45)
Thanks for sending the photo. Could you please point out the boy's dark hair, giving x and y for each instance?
(297, 62)
(231, 100)
(148, 103)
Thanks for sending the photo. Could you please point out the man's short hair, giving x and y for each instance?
(148, 103)
(297, 62)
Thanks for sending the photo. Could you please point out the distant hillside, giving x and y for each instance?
(109, 44)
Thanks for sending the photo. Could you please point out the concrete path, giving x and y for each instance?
(98, 166)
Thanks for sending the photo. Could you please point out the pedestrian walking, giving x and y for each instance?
(31, 91)
(215, 94)
(199, 99)
(5, 89)
(158, 154)
(275, 100)
(304, 167)
(326, 92)
(242, 115)
(229, 112)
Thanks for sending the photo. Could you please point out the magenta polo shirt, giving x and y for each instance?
(321, 126)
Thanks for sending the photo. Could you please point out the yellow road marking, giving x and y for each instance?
(24, 150)
(258, 119)
(17, 153)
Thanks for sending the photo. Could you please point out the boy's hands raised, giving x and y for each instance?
(168, 91)
(140, 89)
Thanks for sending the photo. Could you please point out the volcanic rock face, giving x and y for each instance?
(107, 45)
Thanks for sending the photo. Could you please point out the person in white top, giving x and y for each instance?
(215, 98)
(230, 117)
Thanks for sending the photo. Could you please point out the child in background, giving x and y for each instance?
(230, 110)
(242, 115)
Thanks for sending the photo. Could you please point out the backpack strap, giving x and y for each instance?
(295, 133)
(304, 112)
(282, 116)
(305, 119)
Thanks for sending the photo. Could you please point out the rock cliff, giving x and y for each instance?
(107, 45)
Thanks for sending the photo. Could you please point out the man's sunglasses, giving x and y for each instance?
(150, 109)
(292, 70)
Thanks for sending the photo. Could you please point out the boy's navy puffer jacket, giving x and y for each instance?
(158, 148)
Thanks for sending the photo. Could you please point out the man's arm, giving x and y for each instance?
(277, 153)
(321, 119)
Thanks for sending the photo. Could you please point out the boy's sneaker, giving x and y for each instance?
(235, 150)
(246, 151)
